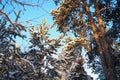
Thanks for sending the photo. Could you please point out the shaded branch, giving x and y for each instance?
(29, 64)
(6, 16)
(11, 22)
(17, 15)
(3, 5)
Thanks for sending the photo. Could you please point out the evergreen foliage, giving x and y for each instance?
(94, 25)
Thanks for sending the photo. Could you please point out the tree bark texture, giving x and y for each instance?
(104, 50)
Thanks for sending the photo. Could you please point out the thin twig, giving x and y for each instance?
(23, 4)
(103, 9)
(3, 5)
(6, 16)
(17, 15)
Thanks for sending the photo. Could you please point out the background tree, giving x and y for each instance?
(9, 49)
(57, 69)
(72, 60)
(13, 63)
(41, 52)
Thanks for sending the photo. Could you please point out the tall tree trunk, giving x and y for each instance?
(110, 72)
(110, 68)
(103, 47)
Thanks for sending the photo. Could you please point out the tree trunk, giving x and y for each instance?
(103, 47)
(109, 67)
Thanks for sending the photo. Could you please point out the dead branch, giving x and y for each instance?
(17, 15)
(23, 4)
(6, 16)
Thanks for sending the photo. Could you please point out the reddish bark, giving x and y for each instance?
(103, 46)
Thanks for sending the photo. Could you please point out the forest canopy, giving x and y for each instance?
(89, 35)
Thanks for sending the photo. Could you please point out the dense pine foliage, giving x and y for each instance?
(95, 41)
